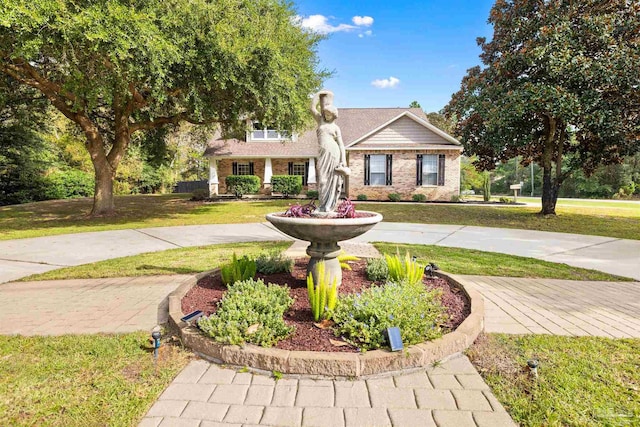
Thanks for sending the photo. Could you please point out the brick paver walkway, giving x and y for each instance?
(85, 306)
(558, 307)
(207, 395)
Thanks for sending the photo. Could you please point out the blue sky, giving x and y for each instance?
(389, 53)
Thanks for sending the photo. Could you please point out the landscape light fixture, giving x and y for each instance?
(430, 268)
(193, 316)
(533, 367)
(394, 338)
(156, 335)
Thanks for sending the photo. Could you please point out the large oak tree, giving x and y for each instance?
(560, 83)
(117, 67)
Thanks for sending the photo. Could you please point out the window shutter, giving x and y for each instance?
(290, 168)
(234, 168)
(306, 173)
(389, 177)
(441, 169)
(367, 169)
(250, 168)
(419, 169)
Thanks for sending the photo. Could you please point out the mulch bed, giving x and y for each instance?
(209, 290)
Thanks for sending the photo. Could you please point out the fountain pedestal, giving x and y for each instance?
(323, 234)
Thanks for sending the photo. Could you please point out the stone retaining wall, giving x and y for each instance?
(331, 364)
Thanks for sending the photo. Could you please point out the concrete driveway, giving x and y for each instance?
(23, 257)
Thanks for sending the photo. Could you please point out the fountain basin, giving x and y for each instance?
(324, 230)
(323, 234)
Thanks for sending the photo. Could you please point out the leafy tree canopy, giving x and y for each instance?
(560, 77)
(122, 66)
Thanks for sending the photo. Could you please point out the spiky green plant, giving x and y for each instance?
(407, 269)
(238, 269)
(343, 259)
(322, 296)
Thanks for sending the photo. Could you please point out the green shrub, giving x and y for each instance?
(395, 197)
(506, 200)
(419, 198)
(24, 159)
(69, 183)
(626, 191)
(312, 194)
(362, 318)
(242, 184)
(456, 198)
(404, 270)
(361, 197)
(288, 185)
(486, 186)
(273, 262)
(199, 194)
(323, 295)
(121, 188)
(344, 259)
(238, 269)
(250, 312)
(377, 270)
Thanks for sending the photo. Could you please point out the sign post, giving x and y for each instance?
(515, 188)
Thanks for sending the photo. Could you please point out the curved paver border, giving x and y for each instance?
(331, 364)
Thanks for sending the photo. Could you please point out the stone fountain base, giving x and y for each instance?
(324, 235)
(328, 364)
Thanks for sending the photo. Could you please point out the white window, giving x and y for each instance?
(298, 169)
(377, 169)
(262, 132)
(430, 169)
(244, 169)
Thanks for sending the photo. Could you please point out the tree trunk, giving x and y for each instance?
(105, 165)
(549, 192)
(103, 204)
(549, 187)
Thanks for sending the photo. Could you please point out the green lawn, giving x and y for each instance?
(617, 205)
(82, 380)
(173, 261)
(198, 259)
(140, 211)
(70, 216)
(479, 263)
(623, 223)
(583, 381)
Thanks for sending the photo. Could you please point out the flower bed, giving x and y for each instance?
(209, 290)
(333, 363)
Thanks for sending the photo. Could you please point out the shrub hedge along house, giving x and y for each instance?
(389, 150)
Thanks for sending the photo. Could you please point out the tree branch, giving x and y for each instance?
(168, 120)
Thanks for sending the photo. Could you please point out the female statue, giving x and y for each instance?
(331, 166)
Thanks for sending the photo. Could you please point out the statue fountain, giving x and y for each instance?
(324, 229)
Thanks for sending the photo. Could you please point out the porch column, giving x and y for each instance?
(268, 172)
(213, 176)
(311, 179)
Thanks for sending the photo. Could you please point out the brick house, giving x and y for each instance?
(389, 150)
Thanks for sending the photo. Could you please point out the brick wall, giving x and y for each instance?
(225, 168)
(404, 176)
(278, 167)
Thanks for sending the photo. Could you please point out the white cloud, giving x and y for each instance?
(362, 21)
(386, 83)
(320, 24)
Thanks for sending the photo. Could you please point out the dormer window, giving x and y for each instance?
(261, 132)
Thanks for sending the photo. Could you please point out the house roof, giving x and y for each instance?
(355, 124)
